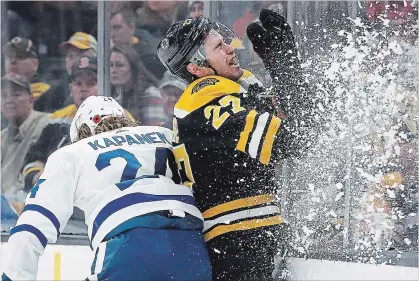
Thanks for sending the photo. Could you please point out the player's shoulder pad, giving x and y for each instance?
(204, 90)
(63, 115)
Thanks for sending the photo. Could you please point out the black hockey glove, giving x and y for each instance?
(273, 41)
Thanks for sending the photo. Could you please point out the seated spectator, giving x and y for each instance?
(21, 58)
(196, 8)
(171, 88)
(24, 128)
(80, 44)
(83, 84)
(157, 16)
(122, 33)
(129, 81)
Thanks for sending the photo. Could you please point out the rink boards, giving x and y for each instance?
(62, 262)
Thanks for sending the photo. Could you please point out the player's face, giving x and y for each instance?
(83, 86)
(221, 56)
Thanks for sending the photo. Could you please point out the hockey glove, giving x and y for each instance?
(273, 41)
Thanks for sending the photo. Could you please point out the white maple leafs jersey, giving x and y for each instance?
(121, 179)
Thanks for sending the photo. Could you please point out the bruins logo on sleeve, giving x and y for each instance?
(204, 83)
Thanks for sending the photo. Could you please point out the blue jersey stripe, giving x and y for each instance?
(47, 213)
(4, 277)
(32, 229)
(132, 199)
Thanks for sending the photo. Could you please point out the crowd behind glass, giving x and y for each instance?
(50, 66)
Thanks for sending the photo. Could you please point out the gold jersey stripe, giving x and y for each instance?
(265, 155)
(244, 135)
(244, 225)
(237, 204)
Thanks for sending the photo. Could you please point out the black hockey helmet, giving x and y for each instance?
(183, 44)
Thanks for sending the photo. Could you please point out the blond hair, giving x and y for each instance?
(106, 125)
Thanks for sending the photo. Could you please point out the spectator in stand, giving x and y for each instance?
(157, 16)
(21, 58)
(80, 44)
(122, 33)
(83, 84)
(123, 28)
(196, 8)
(129, 81)
(171, 88)
(24, 128)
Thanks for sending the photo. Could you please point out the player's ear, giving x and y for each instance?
(196, 70)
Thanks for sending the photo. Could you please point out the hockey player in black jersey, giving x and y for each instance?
(229, 136)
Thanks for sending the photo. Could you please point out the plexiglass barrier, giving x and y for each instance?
(352, 196)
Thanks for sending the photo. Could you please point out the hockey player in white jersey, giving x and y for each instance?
(141, 224)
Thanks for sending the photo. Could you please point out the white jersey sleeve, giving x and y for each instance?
(48, 208)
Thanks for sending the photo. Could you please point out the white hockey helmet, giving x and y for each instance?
(92, 111)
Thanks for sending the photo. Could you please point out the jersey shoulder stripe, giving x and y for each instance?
(204, 90)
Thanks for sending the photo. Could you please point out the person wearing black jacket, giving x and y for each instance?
(230, 134)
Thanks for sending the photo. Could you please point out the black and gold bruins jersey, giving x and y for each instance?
(225, 152)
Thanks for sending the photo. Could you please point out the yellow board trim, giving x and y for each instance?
(244, 225)
(57, 266)
(237, 204)
(244, 135)
(265, 154)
